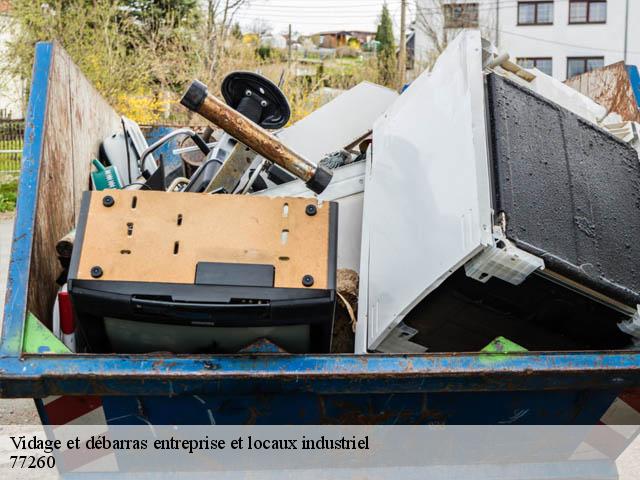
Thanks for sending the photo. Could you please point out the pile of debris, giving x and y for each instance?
(486, 201)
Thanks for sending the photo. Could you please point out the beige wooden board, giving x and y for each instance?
(138, 244)
(92, 120)
(76, 121)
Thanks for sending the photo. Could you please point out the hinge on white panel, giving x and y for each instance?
(625, 131)
(398, 341)
(632, 326)
(504, 261)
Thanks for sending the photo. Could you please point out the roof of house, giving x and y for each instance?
(348, 32)
(5, 6)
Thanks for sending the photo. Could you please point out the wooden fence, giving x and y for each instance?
(11, 138)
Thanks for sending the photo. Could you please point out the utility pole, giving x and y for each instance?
(289, 42)
(402, 56)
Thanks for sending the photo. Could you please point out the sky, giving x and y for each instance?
(310, 16)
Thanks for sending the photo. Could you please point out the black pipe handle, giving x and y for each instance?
(201, 144)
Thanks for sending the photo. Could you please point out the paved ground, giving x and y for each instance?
(23, 411)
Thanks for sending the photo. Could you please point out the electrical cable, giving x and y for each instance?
(126, 144)
(142, 185)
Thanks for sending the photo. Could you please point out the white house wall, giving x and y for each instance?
(558, 41)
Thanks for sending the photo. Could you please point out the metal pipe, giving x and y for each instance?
(499, 60)
(180, 131)
(497, 42)
(626, 31)
(199, 100)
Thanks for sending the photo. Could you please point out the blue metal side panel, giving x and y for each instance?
(634, 78)
(524, 408)
(17, 284)
(42, 375)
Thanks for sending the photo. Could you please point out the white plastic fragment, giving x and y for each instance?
(399, 341)
(504, 261)
(632, 326)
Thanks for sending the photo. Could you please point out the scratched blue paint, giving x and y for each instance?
(327, 374)
(634, 78)
(16, 297)
(579, 407)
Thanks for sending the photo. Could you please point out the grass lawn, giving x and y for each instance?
(8, 193)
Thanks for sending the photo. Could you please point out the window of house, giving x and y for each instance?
(535, 13)
(580, 65)
(460, 15)
(544, 64)
(587, 11)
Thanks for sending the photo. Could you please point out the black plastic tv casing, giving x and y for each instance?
(205, 304)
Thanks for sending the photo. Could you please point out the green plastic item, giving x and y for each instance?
(503, 345)
(104, 178)
(39, 339)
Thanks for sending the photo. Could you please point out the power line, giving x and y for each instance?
(572, 45)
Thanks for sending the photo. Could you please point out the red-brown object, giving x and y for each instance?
(611, 87)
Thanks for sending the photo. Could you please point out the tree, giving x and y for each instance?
(113, 44)
(386, 48)
(151, 16)
(220, 18)
(159, 10)
(384, 33)
(236, 31)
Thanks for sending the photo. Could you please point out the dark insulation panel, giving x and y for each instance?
(570, 190)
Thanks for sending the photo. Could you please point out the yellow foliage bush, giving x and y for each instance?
(144, 108)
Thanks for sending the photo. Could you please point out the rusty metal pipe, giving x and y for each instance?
(199, 100)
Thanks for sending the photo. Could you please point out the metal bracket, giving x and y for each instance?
(504, 261)
(232, 170)
(632, 325)
(398, 341)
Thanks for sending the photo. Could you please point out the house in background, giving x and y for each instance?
(562, 38)
(340, 38)
(11, 89)
(274, 41)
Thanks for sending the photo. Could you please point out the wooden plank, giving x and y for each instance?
(92, 119)
(54, 212)
(164, 237)
(76, 120)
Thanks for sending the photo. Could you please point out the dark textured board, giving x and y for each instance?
(570, 190)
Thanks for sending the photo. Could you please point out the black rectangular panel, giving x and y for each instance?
(570, 190)
(234, 274)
